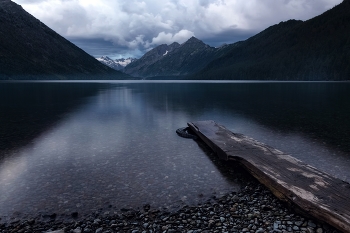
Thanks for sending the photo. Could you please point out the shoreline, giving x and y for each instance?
(252, 209)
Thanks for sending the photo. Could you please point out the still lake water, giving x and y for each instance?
(84, 146)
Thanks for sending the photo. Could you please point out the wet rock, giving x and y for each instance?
(298, 223)
(146, 207)
(260, 212)
(87, 230)
(311, 224)
(74, 214)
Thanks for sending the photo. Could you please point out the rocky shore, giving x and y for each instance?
(253, 209)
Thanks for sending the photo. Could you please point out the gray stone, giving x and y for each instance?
(97, 220)
(311, 224)
(211, 217)
(298, 223)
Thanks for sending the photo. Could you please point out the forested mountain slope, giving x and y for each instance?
(317, 49)
(174, 60)
(31, 50)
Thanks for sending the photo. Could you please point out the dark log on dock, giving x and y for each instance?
(302, 186)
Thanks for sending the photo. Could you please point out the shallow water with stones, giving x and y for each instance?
(78, 147)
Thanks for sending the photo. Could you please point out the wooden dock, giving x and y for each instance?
(302, 186)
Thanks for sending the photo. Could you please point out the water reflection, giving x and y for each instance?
(95, 146)
(308, 120)
(27, 109)
(115, 149)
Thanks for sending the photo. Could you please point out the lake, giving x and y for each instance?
(85, 146)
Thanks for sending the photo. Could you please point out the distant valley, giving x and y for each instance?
(169, 61)
(314, 50)
(175, 60)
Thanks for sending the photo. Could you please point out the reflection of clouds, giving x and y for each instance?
(117, 98)
(115, 148)
(120, 147)
(11, 169)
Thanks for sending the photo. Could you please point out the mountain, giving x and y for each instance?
(117, 64)
(317, 49)
(188, 58)
(140, 67)
(125, 61)
(173, 60)
(31, 50)
(110, 62)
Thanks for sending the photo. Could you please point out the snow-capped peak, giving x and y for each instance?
(104, 58)
(117, 64)
(124, 62)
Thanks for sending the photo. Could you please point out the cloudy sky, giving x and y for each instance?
(124, 28)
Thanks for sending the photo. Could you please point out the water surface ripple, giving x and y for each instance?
(70, 147)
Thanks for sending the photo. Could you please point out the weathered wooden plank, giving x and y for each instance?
(302, 186)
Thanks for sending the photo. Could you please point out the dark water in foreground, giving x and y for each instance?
(68, 147)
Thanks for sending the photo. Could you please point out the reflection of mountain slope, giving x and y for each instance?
(29, 109)
(31, 50)
(300, 108)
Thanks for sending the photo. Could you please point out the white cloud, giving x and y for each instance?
(168, 38)
(141, 24)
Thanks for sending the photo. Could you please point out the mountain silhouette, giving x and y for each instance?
(31, 50)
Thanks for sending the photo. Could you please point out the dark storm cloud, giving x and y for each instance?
(120, 27)
(229, 36)
(99, 47)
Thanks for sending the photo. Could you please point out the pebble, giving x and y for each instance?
(311, 224)
(298, 223)
(263, 213)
